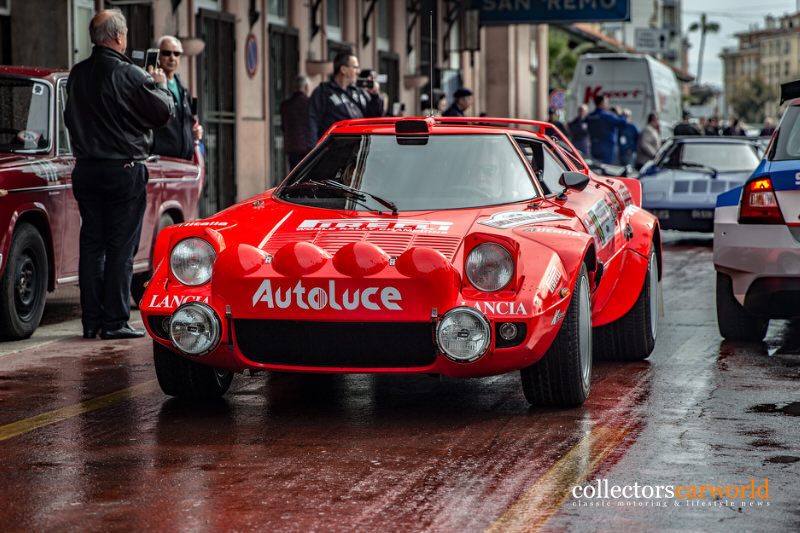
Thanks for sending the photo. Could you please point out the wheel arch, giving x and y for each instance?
(39, 220)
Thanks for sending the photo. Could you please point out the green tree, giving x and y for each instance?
(705, 27)
(562, 58)
(748, 98)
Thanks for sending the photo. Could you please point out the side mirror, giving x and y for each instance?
(574, 180)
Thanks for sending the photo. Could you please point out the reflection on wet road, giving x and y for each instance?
(88, 442)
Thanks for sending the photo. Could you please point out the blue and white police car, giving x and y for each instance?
(757, 236)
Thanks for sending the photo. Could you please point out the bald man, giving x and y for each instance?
(112, 108)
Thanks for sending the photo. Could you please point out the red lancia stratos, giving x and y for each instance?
(39, 217)
(445, 246)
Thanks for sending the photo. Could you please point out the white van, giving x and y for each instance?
(635, 81)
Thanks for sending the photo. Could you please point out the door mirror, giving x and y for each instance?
(574, 180)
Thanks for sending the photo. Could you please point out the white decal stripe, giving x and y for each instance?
(272, 232)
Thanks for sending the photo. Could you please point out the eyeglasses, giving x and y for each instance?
(167, 53)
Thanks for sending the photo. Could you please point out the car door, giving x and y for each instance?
(66, 234)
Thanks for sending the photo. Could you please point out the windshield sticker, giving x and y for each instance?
(600, 223)
(28, 136)
(376, 224)
(38, 89)
(513, 219)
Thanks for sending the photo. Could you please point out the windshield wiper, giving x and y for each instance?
(361, 195)
(330, 185)
(691, 164)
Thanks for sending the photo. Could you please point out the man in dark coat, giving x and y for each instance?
(294, 115)
(462, 100)
(341, 99)
(112, 108)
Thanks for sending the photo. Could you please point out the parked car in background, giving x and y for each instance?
(453, 246)
(757, 236)
(39, 245)
(680, 185)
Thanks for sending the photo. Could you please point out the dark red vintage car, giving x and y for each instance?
(39, 246)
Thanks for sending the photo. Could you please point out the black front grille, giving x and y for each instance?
(336, 344)
(156, 323)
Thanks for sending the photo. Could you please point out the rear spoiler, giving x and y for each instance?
(790, 90)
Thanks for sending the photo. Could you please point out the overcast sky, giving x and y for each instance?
(733, 16)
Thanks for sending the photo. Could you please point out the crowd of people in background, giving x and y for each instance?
(608, 135)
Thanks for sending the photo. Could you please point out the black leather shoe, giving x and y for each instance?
(90, 333)
(125, 332)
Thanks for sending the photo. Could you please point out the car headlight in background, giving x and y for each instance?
(463, 334)
(194, 328)
(192, 261)
(489, 267)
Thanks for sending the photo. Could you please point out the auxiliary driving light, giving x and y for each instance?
(194, 328)
(463, 334)
(508, 330)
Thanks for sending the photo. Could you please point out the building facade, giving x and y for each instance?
(241, 56)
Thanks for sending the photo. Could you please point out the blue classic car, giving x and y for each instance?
(680, 185)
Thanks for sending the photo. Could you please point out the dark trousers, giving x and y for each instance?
(112, 197)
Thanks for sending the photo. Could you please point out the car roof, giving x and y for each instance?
(33, 72)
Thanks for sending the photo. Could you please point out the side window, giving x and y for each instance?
(63, 146)
(532, 152)
(551, 173)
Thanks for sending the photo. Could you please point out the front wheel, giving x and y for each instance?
(563, 376)
(735, 322)
(23, 286)
(186, 379)
(633, 336)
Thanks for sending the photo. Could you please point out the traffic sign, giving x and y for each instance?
(558, 99)
(651, 40)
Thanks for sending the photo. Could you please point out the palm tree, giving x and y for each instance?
(705, 27)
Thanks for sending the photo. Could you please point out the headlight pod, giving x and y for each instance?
(195, 328)
(463, 334)
(192, 261)
(489, 267)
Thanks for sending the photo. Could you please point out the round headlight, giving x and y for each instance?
(192, 261)
(463, 334)
(194, 328)
(489, 267)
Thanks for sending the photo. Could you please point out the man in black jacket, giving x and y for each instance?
(341, 99)
(177, 138)
(112, 107)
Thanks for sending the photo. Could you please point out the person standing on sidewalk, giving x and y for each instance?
(112, 108)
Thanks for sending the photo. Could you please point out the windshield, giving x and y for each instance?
(416, 173)
(786, 145)
(24, 115)
(722, 157)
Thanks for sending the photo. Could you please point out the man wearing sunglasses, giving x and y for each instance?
(177, 138)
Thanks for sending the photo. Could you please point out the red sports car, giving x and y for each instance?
(39, 247)
(415, 245)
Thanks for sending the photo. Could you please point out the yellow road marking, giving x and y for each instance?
(540, 502)
(45, 419)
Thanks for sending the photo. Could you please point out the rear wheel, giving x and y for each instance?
(563, 376)
(23, 286)
(735, 322)
(140, 280)
(183, 378)
(633, 336)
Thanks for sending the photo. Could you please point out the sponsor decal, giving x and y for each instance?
(552, 279)
(207, 223)
(592, 92)
(600, 223)
(165, 301)
(513, 219)
(45, 170)
(626, 195)
(376, 224)
(558, 317)
(558, 231)
(501, 308)
(318, 298)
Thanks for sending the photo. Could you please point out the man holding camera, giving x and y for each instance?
(112, 108)
(346, 96)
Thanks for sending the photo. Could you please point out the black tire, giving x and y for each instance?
(23, 287)
(140, 280)
(633, 336)
(186, 379)
(562, 377)
(734, 321)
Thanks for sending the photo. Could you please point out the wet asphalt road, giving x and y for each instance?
(703, 436)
